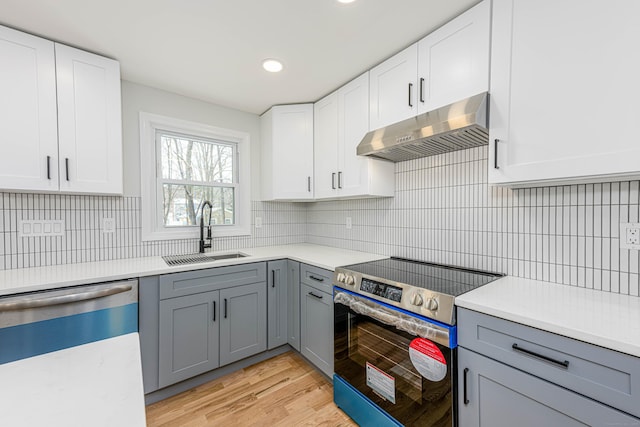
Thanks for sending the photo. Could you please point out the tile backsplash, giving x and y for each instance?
(83, 239)
(443, 211)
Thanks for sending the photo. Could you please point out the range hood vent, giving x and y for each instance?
(457, 126)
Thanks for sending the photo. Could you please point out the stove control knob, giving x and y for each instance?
(416, 299)
(349, 280)
(341, 277)
(432, 304)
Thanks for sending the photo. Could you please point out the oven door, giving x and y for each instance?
(403, 363)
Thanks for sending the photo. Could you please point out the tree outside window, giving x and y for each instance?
(195, 170)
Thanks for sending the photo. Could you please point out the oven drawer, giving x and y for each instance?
(604, 375)
(316, 277)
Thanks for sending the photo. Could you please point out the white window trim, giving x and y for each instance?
(152, 230)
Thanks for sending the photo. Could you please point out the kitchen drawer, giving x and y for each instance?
(493, 394)
(605, 375)
(315, 277)
(211, 279)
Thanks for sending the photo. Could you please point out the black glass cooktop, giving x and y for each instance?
(435, 277)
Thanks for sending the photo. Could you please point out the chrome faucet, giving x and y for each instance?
(204, 245)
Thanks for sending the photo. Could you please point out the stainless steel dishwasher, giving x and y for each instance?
(74, 353)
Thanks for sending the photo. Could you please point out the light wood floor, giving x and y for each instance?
(282, 391)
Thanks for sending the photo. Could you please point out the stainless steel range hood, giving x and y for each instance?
(456, 126)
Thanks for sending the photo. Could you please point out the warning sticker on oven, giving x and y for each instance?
(428, 359)
(383, 384)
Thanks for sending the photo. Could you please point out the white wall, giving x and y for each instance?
(136, 98)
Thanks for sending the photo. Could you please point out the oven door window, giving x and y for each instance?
(374, 358)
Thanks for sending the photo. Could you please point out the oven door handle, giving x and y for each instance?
(392, 318)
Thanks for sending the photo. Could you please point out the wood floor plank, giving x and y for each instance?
(282, 391)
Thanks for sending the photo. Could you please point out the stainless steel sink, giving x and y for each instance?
(198, 258)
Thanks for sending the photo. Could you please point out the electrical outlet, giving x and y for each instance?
(630, 235)
(40, 228)
(108, 225)
(258, 222)
(348, 223)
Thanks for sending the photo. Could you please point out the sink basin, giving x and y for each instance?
(198, 258)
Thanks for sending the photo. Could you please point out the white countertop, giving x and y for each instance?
(96, 384)
(42, 278)
(602, 318)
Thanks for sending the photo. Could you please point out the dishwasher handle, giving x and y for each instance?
(30, 302)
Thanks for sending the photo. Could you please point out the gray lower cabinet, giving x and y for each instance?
(277, 301)
(243, 329)
(316, 324)
(195, 321)
(189, 336)
(512, 374)
(493, 394)
(293, 304)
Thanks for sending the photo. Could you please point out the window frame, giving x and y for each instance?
(152, 225)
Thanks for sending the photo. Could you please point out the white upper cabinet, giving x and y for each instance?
(287, 152)
(89, 122)
(393, 89)
(453, 61)
(28, 128)
(325, 146)
(60, 120)
(448, 65)
(564, 91)
(341, 121)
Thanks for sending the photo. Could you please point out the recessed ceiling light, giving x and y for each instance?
(272, 65)
(346, 1)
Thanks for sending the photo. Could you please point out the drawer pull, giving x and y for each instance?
(562, 364)
(315, 296)
(317, 279)
(464, 381)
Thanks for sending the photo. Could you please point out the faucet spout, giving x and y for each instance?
(204, 245)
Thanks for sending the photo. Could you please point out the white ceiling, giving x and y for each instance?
(212, 49)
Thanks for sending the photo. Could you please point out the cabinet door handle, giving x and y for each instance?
(464, 386)
(410, 90)
(315, 296)
(317, 279)
(66, 167)
(421, 90)
(495, 154)
(333, 180)
(225, 308)
(48, 167)
(309, 184)
(214, 311)
(339, 179)
(563, 364)
(273, 278)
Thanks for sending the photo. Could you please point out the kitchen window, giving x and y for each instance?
(182, 165)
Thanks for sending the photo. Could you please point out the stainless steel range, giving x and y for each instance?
(395, 340)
